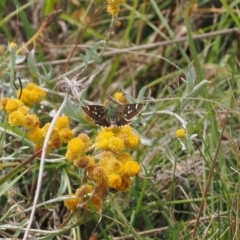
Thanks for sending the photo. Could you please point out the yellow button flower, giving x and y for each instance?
(62, 122)
(106, 158)
(11, 46)
(65, 135)
(31, 121)
(85, 139)
(31, 94)
(113, 6)
(124, 157)
(120, 97)
(16, 119)
(132, 168)
(126, 129)
(13, 105)
(102, 139)
(181, 133)
(114, 181)
(116, 144)
(133, 141)
(24, 110)
(36, 135)
(109, 162)
(75, 149)
(71, 204)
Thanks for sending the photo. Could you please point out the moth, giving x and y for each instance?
(114, 114)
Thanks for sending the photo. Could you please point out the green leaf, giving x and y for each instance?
(196, 91)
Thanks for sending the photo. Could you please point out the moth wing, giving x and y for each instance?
(97, 114)
(103, 122)
(94, 111)
(130, 111)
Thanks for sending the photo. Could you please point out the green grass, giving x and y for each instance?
(196, 193)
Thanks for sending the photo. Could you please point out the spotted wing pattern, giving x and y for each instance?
(123, 114)
(97, 114)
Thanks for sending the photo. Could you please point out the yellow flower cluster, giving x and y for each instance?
(118, 169)
(115, 165)
(31, 94)
(61, 134)
(19, 116)
(113, 6)
(117, 139)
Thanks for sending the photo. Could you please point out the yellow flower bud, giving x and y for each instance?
(114, 180)
(131, 168)
(116, 144)
(180, 133)
(13, 105)
(71, 204)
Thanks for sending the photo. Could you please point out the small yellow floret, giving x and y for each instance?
(180, 133)
(131, 168)
(31, 121)
(133, 141)
(105, 158)
(31, 86)
(31, 94)
(11, 46)
(62, 122)
(120, 97)
(54, 141)
(36, 135)
(126, 129)
(75, 149)
(13, 105)
(24, 110)
(71, 204)
(124, 157)
(114, 181)
(86, 140)
(65, 135)
(111, 164)
(113, 6)
(102, 139)
(116, 144)
(16, 119)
